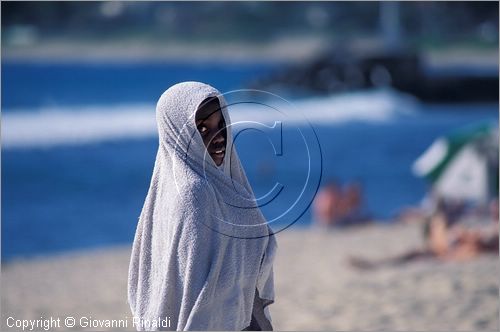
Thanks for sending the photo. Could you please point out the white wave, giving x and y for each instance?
(56, 126)
(68, 126)
(365, 106)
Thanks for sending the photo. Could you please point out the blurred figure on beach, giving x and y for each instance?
(445, 239)
(448, 235)
(339, 206)
(459, 214)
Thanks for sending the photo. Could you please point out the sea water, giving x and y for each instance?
(79, 142)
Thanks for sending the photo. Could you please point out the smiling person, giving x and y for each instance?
(202, 257)
(212, 127)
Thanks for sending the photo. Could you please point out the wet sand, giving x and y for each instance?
(315, 287)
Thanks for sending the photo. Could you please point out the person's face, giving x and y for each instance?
(212, 128)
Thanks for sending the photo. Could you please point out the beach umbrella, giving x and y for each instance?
(462, 165)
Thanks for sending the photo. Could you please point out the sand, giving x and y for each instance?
(315, 288)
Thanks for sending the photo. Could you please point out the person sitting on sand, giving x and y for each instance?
(326, 204)
(351, 206)
(444, 240)
(203, 253)
(336, 207)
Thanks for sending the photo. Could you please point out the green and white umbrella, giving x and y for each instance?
(463, 165)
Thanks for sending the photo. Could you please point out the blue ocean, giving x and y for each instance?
(79, 143)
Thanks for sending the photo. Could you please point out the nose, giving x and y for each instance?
(218, 139)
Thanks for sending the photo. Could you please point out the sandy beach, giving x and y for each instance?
(315, 287)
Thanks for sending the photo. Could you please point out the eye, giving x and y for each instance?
(203, 130)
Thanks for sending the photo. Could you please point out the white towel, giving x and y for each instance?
(201, 247)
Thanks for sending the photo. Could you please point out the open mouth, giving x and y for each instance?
(218, 155)
(218, 152)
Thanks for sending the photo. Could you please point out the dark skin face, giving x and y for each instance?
(212, 128)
